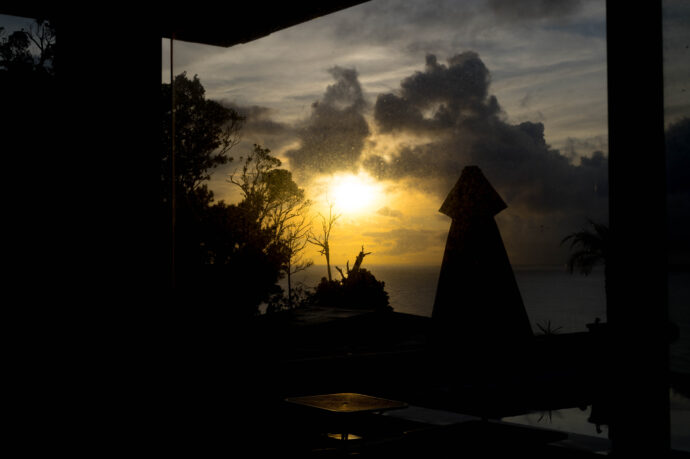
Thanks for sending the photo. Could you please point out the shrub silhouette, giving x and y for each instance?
(359, 290)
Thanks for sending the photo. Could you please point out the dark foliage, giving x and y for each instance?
(29, 52)
(223, 253)
(359, 290)
(589, 248)
(279, 208)
(204, 133)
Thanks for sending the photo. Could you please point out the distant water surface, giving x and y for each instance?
(550, 294)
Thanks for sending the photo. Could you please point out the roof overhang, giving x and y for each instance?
(230, 25)
(220, 24)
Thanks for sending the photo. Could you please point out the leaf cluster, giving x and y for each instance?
(203, 130)
(29, 50)
(589, 248)
(223, 253)
(547, 330)
(278, 206)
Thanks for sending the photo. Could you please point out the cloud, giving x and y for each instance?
(258, 119)
(436, 98)
(511, 10)
(406, 241)
(388, 212)
(333, 137)
(451, 105)
(575, 147)
(396, 22)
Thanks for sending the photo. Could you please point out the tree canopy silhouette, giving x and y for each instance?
(222, 252)
(28, 84)
(273, 200)
(29, 50)
(204, 132)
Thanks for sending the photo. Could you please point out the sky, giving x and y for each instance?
(378, 108)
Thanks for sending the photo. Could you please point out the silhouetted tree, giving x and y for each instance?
(359, 289)
(278, 206)
(589, 248)
(221, 251)
(14, 52)
(295, 240)
(204, 132)
(17, 55)
(28, 85)
(32, 114)
(269, 191)
(227, 257)
(322, 239)
(42, 34)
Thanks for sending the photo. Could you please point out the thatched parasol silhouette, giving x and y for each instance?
(478, 306)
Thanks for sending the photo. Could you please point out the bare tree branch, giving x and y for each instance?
(322, 240)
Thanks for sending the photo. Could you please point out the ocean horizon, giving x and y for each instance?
(552, 297)
(550, 294)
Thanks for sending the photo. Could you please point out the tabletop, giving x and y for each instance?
(347, 402)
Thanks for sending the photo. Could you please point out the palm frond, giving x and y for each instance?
(584, 261)
(589, 248)
(546, 328)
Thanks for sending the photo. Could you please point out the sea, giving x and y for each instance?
(555, 300)
(552, 296)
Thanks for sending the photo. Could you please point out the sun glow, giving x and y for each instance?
(355, 193)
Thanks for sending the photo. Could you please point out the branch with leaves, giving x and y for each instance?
(277, 204)
(589, 248)
(204, 133)
(42, 35)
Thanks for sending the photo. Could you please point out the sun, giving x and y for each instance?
(354, 193)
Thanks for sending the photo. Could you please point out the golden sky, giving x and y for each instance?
(398, 224)
(377, 109)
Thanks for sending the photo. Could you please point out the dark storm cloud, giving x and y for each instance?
(438, 97)
(576, 147)
(533, 9)
(258, 119)
(260, 128)
(334, 135)
(452, 104)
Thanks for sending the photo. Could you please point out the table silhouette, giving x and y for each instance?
(346, 405)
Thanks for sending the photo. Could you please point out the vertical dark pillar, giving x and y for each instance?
(637, 310)
(109, 85)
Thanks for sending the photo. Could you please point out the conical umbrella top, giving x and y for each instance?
(472, 196)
